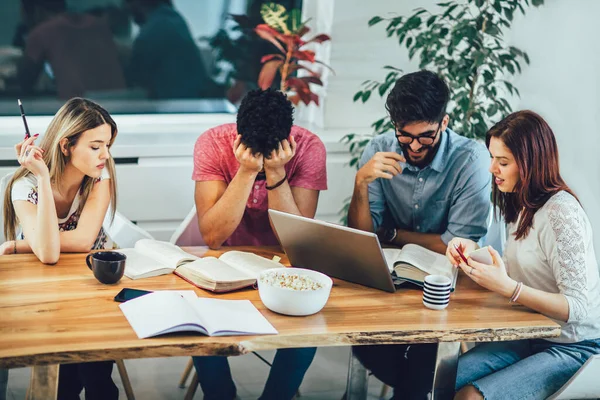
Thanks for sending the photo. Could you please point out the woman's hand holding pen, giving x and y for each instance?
(31, 157)
(464, 245)
(492, 277)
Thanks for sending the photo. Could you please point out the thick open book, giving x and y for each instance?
(413, 263)
(168, 311)
(152, 258)
(232, 270)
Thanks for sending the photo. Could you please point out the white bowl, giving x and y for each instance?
(295, 302)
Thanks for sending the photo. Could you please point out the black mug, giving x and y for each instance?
(108, 266)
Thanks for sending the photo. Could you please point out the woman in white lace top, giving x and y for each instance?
(549, 266)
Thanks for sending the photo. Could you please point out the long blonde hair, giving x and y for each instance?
(75, 117)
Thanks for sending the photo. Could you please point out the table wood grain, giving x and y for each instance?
(62, 314)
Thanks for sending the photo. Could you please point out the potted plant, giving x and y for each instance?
(292, 62)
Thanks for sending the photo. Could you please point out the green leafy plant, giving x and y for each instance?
(285, 30)
(464, 44)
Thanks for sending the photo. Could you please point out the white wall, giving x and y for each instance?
(561, 83)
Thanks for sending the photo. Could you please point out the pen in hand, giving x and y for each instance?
(27, 134)
(460, 253)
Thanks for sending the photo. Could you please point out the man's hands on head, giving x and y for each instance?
(381, 165)
(249, 162)
(281, 156)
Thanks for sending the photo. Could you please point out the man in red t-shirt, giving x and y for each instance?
(241, 170)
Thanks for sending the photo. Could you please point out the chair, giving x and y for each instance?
(122, 231)
(188, 232)
(584, 384)
(496, 233)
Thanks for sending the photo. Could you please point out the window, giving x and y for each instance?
(132, 56)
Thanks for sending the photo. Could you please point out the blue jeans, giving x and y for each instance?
(407, 368)
(94, 377)
(523, 369)
(285, 377)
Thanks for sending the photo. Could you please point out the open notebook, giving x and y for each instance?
(413, 263)
(232, 270)
(152, 258)
(162, 312)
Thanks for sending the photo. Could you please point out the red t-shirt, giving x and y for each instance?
(214, 160)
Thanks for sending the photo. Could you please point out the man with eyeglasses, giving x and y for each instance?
(422, 184)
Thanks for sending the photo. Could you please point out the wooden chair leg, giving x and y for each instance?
(43, 383)
(125, 379)
(186, 373)
(189, 395)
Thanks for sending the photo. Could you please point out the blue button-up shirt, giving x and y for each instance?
(450, 196)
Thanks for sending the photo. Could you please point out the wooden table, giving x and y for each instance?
(60, 314)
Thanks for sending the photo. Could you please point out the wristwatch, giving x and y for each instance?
(389, 235)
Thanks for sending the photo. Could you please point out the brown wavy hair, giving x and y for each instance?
(533, 145)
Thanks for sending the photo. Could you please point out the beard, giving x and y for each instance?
(425, 161)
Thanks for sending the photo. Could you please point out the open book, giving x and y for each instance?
(168, 311)
(413, 263)
(232, 270)
(152, 258)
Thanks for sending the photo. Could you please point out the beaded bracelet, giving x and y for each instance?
(15, 247)
(516, 293)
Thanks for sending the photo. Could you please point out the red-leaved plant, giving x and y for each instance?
(285, 31)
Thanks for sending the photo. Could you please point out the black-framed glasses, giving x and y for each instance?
(407, 138)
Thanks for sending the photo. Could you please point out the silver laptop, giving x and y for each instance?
(338, 251)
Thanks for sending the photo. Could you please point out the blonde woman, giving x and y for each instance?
(56, 202)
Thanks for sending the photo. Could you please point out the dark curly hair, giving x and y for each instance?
(264, 119)
(420, 96)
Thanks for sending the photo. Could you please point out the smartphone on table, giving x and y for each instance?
(129, 294)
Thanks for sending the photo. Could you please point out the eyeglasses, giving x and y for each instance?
(407, 138)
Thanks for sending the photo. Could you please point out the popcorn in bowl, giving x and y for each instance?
(294, 291)
(286, 280)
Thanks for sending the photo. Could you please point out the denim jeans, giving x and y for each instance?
(3, 383)
(285, 377)
(523, 369)
(406, 368)
(94, 377)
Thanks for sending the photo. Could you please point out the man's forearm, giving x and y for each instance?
(359, 212)
(431, 241)
(224, 217)
(281, 198)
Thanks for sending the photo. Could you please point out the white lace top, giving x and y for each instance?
(557, 256)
